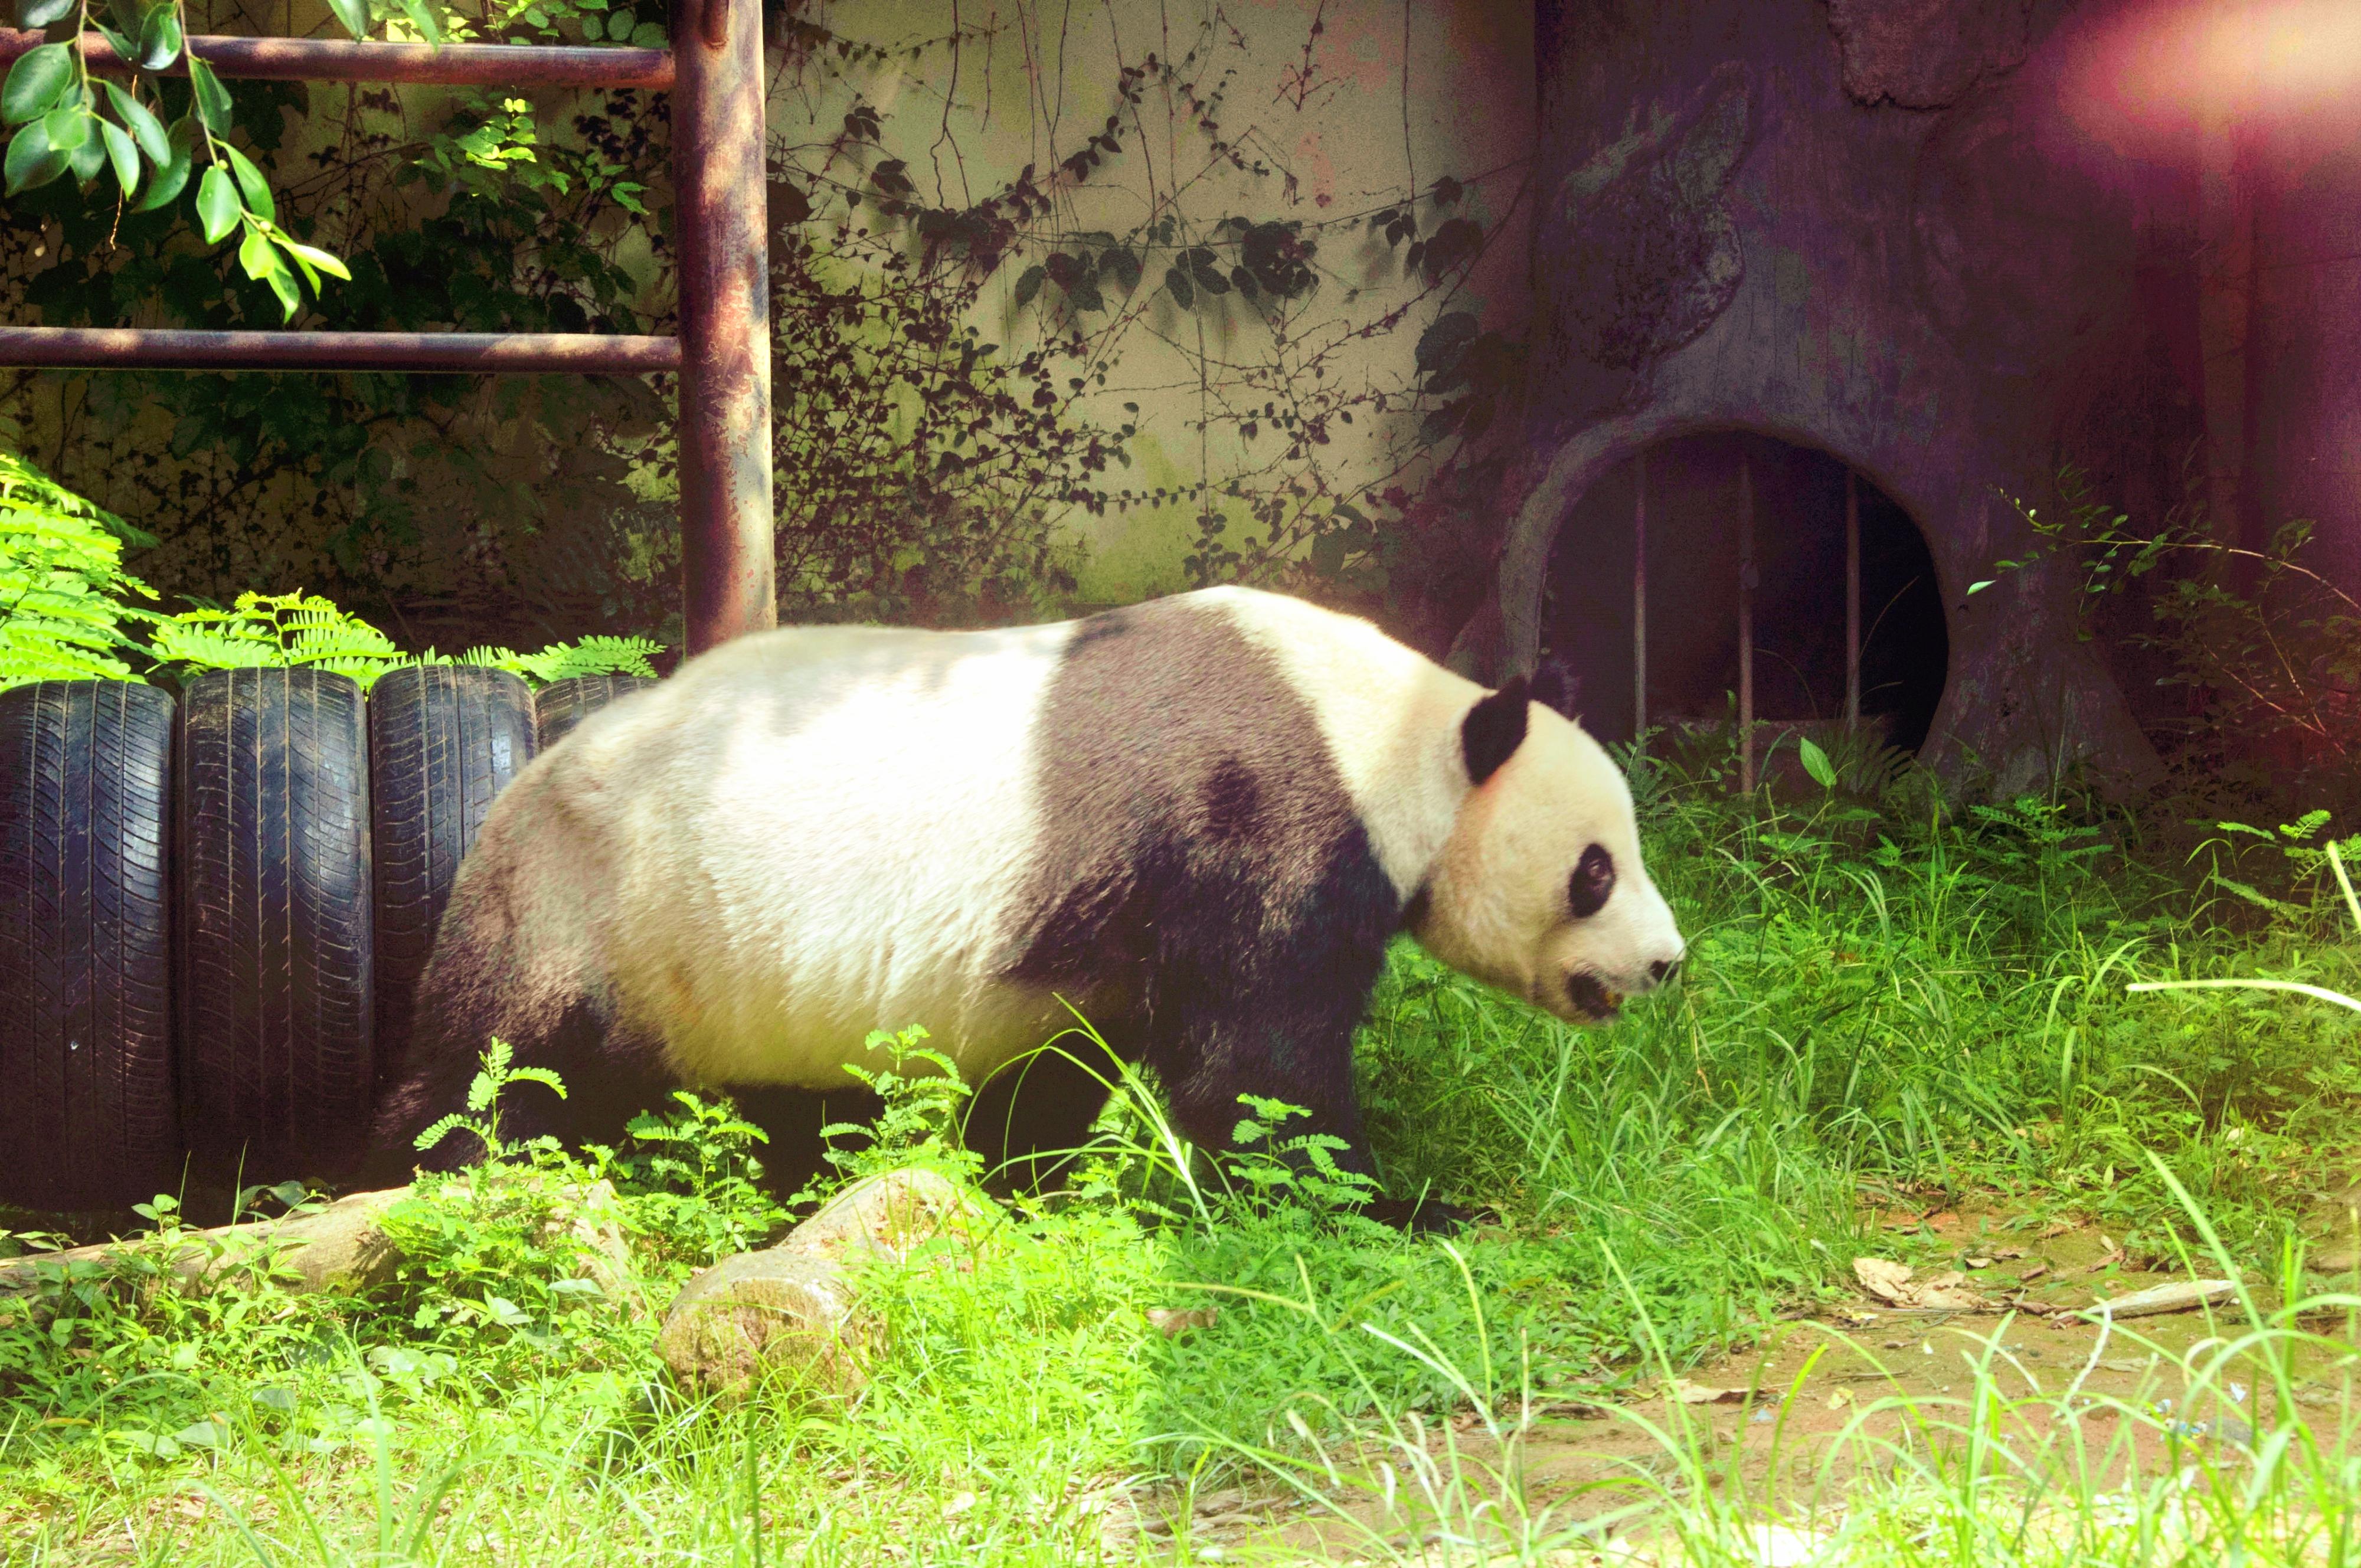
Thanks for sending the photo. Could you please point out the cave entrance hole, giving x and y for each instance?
(1665, 529)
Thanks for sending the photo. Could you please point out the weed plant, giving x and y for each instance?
(1895, 1002)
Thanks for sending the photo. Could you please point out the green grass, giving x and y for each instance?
(1893, 1002)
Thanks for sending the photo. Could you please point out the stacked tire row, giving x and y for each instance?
(214, 914)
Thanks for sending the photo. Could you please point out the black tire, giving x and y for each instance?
(86, 1094)
(276, 1057)
(562, 705)
(442, 741)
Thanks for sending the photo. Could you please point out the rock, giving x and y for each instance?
(759, 1312)
(1927, 54)
(888, 1215)
(791, 1309)
(1644, 233)
(1890, 1283)
(1173, 1321)
(340, 1247)
(1883, 1278)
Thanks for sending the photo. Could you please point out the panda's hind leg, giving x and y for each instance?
(1028, 1121)
(492, 977)
(793, 1152)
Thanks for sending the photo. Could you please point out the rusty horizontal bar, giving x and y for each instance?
(491, 353)
(342, 59)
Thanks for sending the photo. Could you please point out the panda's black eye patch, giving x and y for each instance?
(1594, 879)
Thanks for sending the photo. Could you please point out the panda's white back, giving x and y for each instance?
(814, 834)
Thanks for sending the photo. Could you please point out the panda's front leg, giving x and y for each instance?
(1220, 1058)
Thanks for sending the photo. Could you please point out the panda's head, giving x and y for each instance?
(1539, 889)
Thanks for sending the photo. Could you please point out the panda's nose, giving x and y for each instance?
(1663, 969)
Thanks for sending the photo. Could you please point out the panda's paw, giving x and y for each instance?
(1420, 1216)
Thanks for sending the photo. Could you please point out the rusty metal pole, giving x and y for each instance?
(1746, 625)
(1640, 606)
(725, 314)
(1853, 599)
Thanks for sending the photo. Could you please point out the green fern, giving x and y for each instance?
(304, 630)
(565, 660)
(64, 595)
(295, 630)
(65, 601)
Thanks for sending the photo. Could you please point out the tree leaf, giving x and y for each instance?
(1816, 762)
(67, 126)
(31, 160)
(1176, 281)
(1441, 422)
(212, 97)
(38, 80)
(1440, 344)
(34, 15)
(216, 205)
(354, 15)
(1453, 243)
(255, 254)
(283, 283)
(160, 38)
(172, 175)
(422, 17)
(331, 265)
(1028, 284)
(1124, 264)
(251, 184)
(89, 157)
(145, 128)
(124, 153)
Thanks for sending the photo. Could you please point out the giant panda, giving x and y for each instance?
(1198, 820)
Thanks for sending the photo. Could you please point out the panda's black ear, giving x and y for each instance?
(1557, 687)
(1494, 728)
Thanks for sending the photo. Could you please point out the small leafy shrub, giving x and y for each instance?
(921, 1122)
(2260, 645)
(1270, 1169)
(692, 1182)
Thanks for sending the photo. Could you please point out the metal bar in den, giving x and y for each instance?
(1640, 601)
(1746, 625)
(1853, 597)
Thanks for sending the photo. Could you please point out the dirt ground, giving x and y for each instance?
(1793, 1421)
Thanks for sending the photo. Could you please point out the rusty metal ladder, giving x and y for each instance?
(714, 72)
